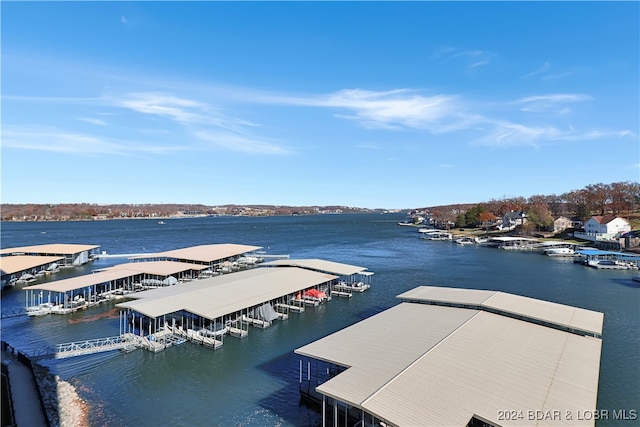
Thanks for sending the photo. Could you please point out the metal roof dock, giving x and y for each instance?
(318, 265)
(459, 357)
(18, 263)
(72, 254)
(203, 254)
(224, 295)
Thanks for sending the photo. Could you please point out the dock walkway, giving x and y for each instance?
(99, 345)
(24, 393)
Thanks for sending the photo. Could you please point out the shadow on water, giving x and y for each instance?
(285, 369)
(370, 311)
(630, 283)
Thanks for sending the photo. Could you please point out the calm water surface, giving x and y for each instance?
(253, 382)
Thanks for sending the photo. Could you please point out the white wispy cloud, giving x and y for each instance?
(543, 73)
(479, 63)
(509, 134)
(473, 57)
(542, 69)
(62, 141)
(93, 121)
(392, 109)
(203, 121)
(487, 123)
(552, 103)
(179, 109)
(557, 76)
(445, 113)
(236, 142)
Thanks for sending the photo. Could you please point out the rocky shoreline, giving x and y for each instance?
(33, 388)
(63, 405)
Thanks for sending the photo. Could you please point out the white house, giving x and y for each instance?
(610, 225)
(604, 230)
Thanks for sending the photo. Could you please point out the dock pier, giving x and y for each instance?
(125, 342)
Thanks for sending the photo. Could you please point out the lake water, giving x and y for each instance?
(254, 381)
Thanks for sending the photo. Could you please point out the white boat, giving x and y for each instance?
(26, 278)
(465, 241)
(612, 264)
(560, 252)
(40, 310)
(161, 222)
(352, 286)
(433, 234)
(509, 243)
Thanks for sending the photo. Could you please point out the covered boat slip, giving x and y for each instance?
(352, 278)
(514, 243)
(155, 272)
(67, 295)
(608, 259)
(448, 365)
(209, 255)
(13, 267)
(234, 300)
(72, 254)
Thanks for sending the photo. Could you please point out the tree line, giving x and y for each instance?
(618, 198)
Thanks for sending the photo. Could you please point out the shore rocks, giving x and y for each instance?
(63, 405)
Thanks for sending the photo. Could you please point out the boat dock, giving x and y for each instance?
(168, 312)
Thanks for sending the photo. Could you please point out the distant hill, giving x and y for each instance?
(86, 211)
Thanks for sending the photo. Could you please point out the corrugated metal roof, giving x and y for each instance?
(490, 364)
(204, 253)
(54, 248)
(452, 295)
(80, 282)
(160, 268)
(382, 345)
(558, 314)
(217, 296)
(319, 265)
(16, 263)
(420, 364)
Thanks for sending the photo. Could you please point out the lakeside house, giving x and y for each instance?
(512, 219)
(605, 230)
(562, 223)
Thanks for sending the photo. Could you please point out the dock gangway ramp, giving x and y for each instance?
(125, 342)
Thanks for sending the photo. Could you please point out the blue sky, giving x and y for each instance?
(368, 104)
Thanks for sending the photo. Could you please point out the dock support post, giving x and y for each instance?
(324, 410)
